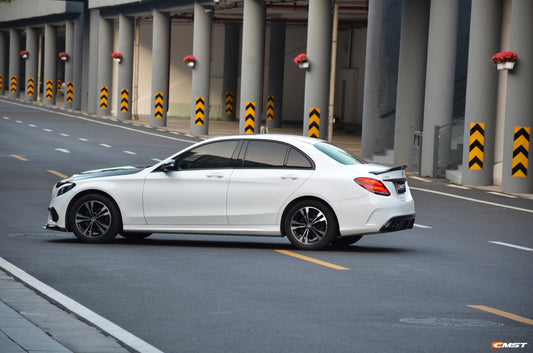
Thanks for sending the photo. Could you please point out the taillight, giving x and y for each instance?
(373, 185)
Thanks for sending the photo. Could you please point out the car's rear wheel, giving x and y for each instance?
(310, 225)
(95, 218)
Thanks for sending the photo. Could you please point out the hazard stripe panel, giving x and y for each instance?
(229, 102)
(270, 108)
(199, 112)
(477, 143)
(249, 118)
(521, 151)
(314, 122)
(70, 91)
(158, 108)
(49, 89)
(124, 100)
(31, 87)
(14, 84)
(103, 97)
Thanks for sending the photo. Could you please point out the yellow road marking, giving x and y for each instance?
(310, 259)
(61, 175)
(514, 317)
(18, 157)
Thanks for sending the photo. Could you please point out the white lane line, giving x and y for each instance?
(420, 179)
(156, 159)
(31, 125)
(47, 130)
(64, 135)
(129, 152)
(73, 306)
(62, 150)
(18, 121)
(103, 123)
(511, 245)
(457, 186)
(83, 139)
(504, 195)
(6, 118)
(422, 226)
(105, 145)
(473, 200)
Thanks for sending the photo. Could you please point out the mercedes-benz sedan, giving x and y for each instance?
(311, 191)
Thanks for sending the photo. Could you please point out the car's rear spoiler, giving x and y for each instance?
(401, 167)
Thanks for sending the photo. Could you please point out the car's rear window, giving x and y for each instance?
(339, 154)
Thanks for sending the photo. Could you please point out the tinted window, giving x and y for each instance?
(265, 154)
(296, 159)
(339, 154)
(211, 156)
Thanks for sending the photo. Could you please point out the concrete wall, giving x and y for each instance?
(24, 9)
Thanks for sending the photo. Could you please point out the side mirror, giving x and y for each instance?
(169, 166)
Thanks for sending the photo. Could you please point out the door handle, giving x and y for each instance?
(218, 176)
(289, 177)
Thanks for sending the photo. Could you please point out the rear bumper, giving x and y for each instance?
(398, 223)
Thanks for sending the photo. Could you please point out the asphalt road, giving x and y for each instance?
(410, 291)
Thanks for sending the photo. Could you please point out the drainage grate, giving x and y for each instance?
(450, 322)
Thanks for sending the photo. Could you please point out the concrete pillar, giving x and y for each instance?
(253, 30)
(32, 45)
(3, 63)
(125, 68)
(440, 76)
(201, 73)
(517, 157)
(50, 65)
(275, 75)
(69, 65)
(160, 62)
(411, 82)
(481, 93)
(105, 67)
(14, 83)
(93, 99)
(319, 54)
(231, 70)
(77, 61)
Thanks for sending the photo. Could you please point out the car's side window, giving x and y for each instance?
(215, 155)
(297, 159)
(265, 154)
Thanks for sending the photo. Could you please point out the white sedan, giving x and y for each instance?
(307, 189)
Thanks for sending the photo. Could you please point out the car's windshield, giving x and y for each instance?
(339, 154)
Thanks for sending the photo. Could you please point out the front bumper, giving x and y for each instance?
(53, 218)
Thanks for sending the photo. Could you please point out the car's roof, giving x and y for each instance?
(275, 137)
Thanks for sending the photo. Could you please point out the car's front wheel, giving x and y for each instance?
(95, 218)
(310, 225)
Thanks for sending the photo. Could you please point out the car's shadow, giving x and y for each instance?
(235, 244)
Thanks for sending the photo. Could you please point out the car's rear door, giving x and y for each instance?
(271, 172)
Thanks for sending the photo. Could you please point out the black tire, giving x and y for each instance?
(346, 241)
(310, 225)
(135, 236)
(95, 218)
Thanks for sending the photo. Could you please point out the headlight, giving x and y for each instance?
(64, 187)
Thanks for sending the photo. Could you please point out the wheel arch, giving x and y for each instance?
(88, 192)
(302, 198)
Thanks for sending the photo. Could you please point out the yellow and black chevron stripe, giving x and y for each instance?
(249, 118)
(124, 100)
(1, 83)
(229, 102)
(270, 108)
(30, 89)
(158, 108)
(477, 143)
(13, 84)
(104, 91)
(49, 89)
(314, 122)
(199, 112)
(70, 91)
(520, 151)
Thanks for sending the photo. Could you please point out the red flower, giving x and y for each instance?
(116, 55)
(503, 57)
(300, 59)
(24, 52)
(63, 55)
(188, 59)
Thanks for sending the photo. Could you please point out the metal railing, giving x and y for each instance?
(448, 149)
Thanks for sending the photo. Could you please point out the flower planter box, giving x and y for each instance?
(505, 66)
(118, 60)
(304, 65)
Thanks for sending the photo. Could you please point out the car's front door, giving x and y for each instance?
(194, 192)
